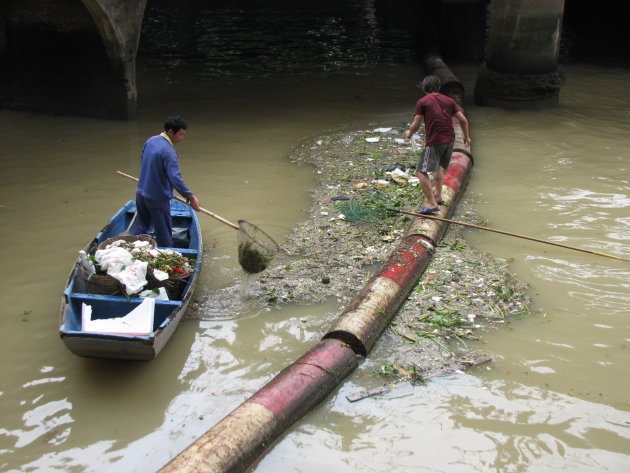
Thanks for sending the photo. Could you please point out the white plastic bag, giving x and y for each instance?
(120, 265)
(160, 295)
(112, 257)
(133, 276)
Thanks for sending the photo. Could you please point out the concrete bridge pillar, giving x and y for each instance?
(74, 57)
(521, 69)
(119, 23)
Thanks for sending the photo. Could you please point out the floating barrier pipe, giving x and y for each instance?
(238, 440)
(368, 315)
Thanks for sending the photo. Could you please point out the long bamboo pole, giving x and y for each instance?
(525, 237)
(205, 211)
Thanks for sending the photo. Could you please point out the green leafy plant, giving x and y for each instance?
(505, 294)
(457, 245)
(169, 261)
(445, 318)
(387, 371)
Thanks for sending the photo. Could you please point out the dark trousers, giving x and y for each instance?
(156, 213)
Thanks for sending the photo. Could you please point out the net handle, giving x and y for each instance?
(201, 209)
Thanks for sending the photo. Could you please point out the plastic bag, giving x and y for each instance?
(120, 265)
(133, 276)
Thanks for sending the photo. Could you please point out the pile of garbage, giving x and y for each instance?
(137, 263)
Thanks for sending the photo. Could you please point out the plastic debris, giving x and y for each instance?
(395, 166)
(87, 264)
(398, 176)
(159, 294)
(137, 322)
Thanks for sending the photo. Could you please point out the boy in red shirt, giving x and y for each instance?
(438, 111)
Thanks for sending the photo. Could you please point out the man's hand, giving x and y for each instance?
(194, 202)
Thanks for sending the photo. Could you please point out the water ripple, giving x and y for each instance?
(604, 288)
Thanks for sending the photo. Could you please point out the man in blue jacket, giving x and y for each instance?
(159, 175)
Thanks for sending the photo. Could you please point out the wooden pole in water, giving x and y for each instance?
(525, 237)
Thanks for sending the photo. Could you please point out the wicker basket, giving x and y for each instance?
(102, 284)
(106, 285)
(174, 285)
(128, 239)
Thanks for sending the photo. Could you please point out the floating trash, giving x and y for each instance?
(395, 166)
(256, 249)
(381, 183)
(251, 259)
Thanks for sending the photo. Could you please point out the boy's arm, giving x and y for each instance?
(417, 120)
(463, 122)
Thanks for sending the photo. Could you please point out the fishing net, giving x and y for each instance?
(256, 249)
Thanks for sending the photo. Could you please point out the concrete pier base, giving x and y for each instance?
(522, 55)
(518, 91)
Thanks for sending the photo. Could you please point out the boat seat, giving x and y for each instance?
(85, 297)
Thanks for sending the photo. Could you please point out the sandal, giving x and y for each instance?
(428, 211)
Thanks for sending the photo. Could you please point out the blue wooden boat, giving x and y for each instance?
(167, 313)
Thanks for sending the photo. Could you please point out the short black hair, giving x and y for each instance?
(175, 123)
(431, 84)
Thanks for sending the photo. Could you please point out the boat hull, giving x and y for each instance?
(167, 315)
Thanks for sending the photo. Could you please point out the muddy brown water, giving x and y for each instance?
(556, 395)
